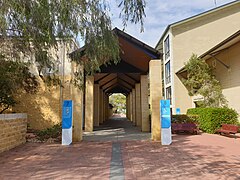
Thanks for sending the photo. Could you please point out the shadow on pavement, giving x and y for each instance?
(116, 129)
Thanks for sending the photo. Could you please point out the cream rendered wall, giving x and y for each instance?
(44, 107)
(230, 78)
(198, 36)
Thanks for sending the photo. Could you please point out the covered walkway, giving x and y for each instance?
(137, 76)
(116, 129)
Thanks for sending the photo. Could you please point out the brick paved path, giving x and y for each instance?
(189, 157)
(52, 161)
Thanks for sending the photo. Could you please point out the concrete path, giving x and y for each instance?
(123, 154)
(116, 129)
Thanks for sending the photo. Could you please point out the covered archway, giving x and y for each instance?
(129, 77)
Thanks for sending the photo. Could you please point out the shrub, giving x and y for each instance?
(53, 132)
(183, 118)
(201, 81)
(14, 77)
(211, 119)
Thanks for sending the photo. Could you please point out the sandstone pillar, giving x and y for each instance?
(77, 96)
(96, 104)
(127, 106)
(100, 106)
(89, 107)
(130, 107)
(106, 107)
(144, 104)
(155, 75)
(138, 105)
(134, 106)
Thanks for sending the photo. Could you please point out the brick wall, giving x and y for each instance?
(13, 128)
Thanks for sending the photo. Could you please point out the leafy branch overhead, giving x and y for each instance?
(14, 77)
(201, 81)
(38, 24)
(31, 27)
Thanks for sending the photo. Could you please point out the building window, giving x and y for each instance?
(167, 73)
(162, 69)
(169, 94)
(167, 47)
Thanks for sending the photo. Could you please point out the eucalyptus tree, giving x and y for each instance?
(33, 26)
(39, 23)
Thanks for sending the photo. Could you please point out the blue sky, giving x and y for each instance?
(160, 13)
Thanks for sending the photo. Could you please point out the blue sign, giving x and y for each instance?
(178, 111)
(165, 113)
(67, 114)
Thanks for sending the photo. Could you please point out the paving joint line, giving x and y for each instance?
(116, 166)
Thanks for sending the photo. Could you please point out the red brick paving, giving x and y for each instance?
(189, 157)
(85, 160)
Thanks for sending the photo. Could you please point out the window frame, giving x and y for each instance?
(168, 72)
(167, 47)
(169, 93)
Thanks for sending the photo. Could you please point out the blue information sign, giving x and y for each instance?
(165, 113)
(178, 111)
(67, 114)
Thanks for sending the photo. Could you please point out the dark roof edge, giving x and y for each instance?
(130, 38)
(194, 16)
(138, 42)
(221, 43)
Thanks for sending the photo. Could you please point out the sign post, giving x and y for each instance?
(166, 134)
(67, 114)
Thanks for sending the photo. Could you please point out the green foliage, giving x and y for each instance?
(135, 13)
(183, 118)
(30, 27)
(119, 102)
(200, 80)
(211, 119)
(53, 132)
(52, 80)
(39, 24)
(44, 61)
(14, 77)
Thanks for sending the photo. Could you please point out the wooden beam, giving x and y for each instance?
(132, 85)
(128, 75)
(125, 84)
(130, 80)
(101, 85)
(117, 84)
(109, 83)
(97, 81)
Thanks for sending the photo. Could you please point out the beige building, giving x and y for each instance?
(225, 59)
(196, 35)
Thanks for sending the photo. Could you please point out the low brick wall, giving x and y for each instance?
(13, 129)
